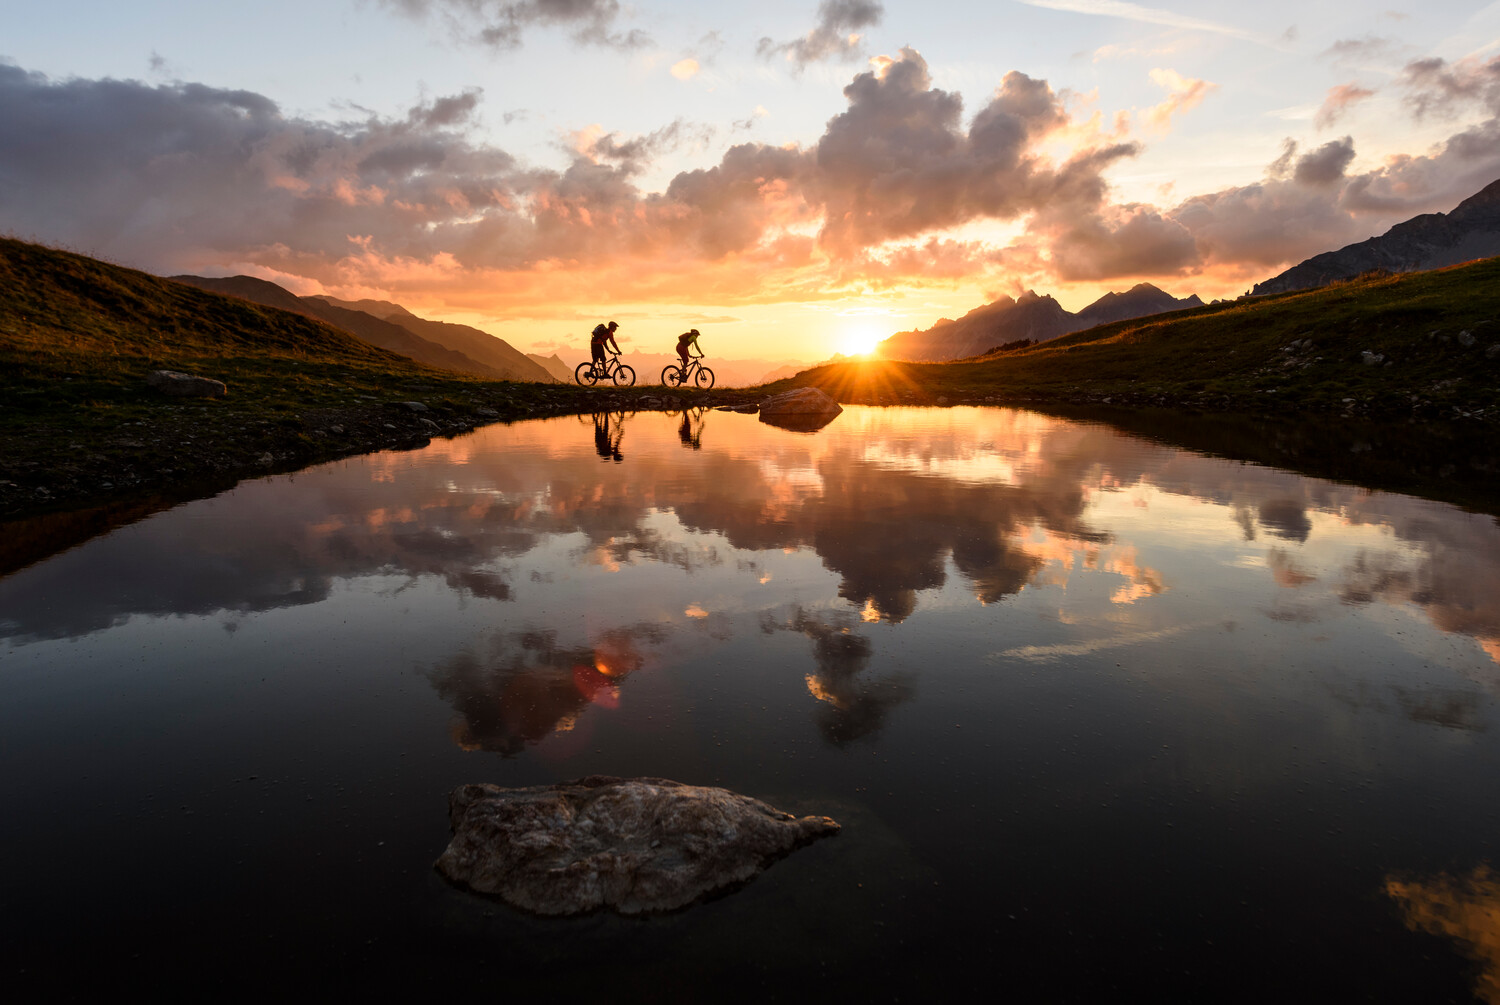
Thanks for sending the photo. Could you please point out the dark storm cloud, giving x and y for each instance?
(837, 34)
(503, 25)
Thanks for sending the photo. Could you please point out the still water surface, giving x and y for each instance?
(1096, 714)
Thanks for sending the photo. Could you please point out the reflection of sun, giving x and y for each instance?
(860, 336)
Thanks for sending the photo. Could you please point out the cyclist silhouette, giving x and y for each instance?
(688, 340)
(603, 334)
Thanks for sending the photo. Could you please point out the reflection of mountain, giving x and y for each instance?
(849, 708)
(535, 687)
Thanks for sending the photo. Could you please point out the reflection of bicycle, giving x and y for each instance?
(675, 375)
(611, 369)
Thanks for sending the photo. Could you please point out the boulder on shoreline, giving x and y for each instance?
(804, 409)
(186, 385)
(630, 844)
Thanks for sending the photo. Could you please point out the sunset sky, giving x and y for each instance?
(793, 178)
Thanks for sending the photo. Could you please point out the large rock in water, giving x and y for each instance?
(806, 408)
(631, 844)
(186, 385)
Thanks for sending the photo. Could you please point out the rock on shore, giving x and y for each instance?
(806, 408)
(630, 844)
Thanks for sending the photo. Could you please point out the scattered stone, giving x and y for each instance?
(428, 423)
(336, 429)
(414, 406)
(630, 844)
(488, 413)
(1466, 339)
(390, 425)
(1371, 358)
(1492, 351)
(186, 385)
(265, 460)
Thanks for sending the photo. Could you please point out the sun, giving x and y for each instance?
(860, 336)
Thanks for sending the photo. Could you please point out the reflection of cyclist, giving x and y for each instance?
(603, 335)
(688, 340)
(607, 436)
(691, 430)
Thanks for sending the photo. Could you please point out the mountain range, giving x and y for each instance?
(391, 326)
(1429, 241)
(1027, 317)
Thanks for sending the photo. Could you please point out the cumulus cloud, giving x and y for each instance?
(183, 177)
(685, 69)
(1325, 165)
(1339, 100)
(836, 36)
(502, 24)
(898, 162)
(1442, 89)
(1112, 241)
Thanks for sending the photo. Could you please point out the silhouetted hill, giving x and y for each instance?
(1028, 317)
(1139, 301)
(365, 326)
(1429, 241)
(552, 364)
(491, 350)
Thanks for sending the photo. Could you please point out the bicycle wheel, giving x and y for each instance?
(585, 374)
(624, 376)
(704, 378)
(672, 375)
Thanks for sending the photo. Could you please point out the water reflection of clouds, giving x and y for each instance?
(526, 686)
(852, 705)
(886, 501)
(1464, 908)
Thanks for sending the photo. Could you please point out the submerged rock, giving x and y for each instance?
(631, 844)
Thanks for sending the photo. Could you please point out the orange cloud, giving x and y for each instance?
(1183, 93)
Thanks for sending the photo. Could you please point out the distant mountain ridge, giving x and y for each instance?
(1429, 241)
(491, 350)
(1029, 316)
(452, 347)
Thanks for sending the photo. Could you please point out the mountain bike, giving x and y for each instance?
(676, 376)
(611, 369)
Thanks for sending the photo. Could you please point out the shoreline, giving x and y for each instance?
(61, 484)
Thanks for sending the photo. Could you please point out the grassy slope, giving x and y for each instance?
(1233, 356)
(79, 426)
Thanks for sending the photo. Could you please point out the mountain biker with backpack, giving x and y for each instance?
(688, 340)
(603, 335)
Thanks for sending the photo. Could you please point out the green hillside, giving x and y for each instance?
(1418, 344)
(79, 426)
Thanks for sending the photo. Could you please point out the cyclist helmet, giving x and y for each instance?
(613, 325)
